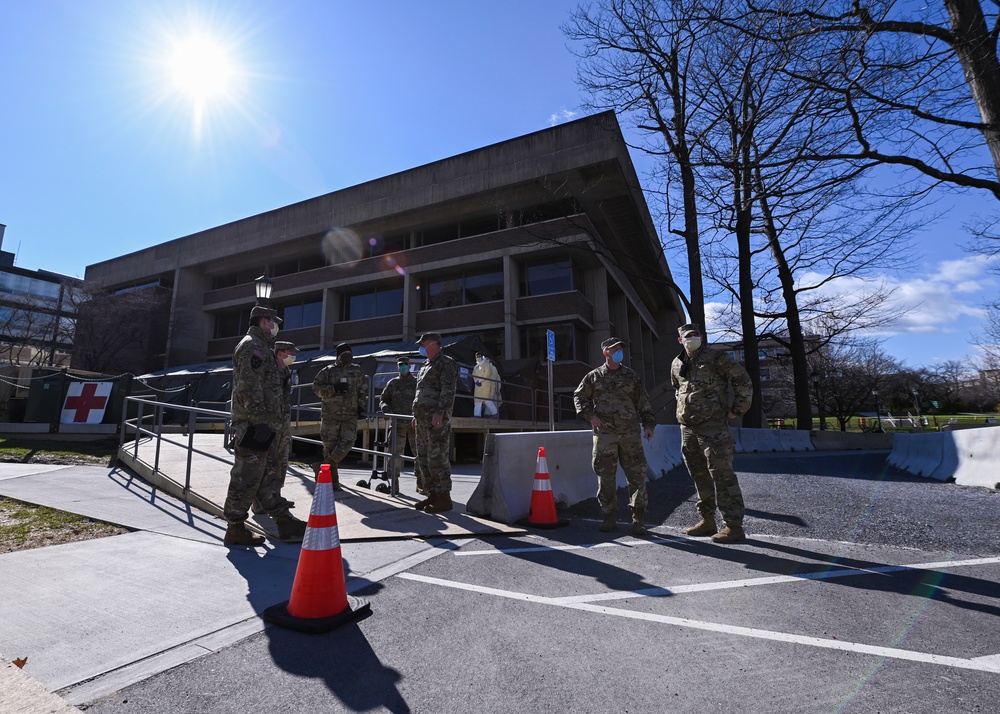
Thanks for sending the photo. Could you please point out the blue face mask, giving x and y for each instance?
(404, 368)
(422, 351)
(618, 356)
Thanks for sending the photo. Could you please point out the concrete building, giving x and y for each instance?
(37, 314)
(548, 231)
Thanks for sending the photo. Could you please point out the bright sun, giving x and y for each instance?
(201, 69)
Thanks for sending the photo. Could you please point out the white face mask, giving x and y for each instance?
(691, 344)
(288, 359)
(274, 329)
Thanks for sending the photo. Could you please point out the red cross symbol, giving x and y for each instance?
(88, 400)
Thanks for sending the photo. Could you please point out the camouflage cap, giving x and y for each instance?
(403, 360)
(611, 342)
(429, 337)
(342, 348)
(689, 327)
(285, 346)
(268, 312)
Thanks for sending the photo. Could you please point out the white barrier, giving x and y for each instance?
(795, 440)
(509, 462)
(900, 450)
(978, 454)
(758, 440)
(924, 454)
(970, 456)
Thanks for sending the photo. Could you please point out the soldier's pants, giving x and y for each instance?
(404, 436)
(609, 450)
(249, 479)
(277, 467)
(433, 464)
(708, 451)
(338, 436)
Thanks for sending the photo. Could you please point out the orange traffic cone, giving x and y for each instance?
(319, 600)
(542, 513)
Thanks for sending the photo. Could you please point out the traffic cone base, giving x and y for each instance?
(279, 615)
(319, 600)
(542, 512)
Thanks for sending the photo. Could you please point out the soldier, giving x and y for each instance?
(432, 407)
(614, 401)
(344, 390)
(397, 398)
(284, 353)
(487, 390)
(704, 379)
(256, 418)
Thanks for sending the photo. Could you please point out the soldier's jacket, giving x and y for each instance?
(617, 397)
(257, 390)
(343, 389)
(715, 384)
(436, 384)
(398, 395)
(285, 375)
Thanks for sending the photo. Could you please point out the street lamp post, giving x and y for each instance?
(262, 287)
(916, 403)
(877, 426)
(819, 402)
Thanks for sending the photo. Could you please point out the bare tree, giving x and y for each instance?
(27, 326)
(848, 374)
(122, 332)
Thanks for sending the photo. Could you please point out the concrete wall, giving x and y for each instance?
(969, 456)
(509, 463)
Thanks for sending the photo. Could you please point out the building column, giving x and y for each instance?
(598, 296)
(511, 286)
(411, 304)
(331, 315)
(189, 328)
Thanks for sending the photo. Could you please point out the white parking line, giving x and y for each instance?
(584, 546)
(989, 664)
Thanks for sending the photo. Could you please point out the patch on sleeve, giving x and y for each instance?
(256, 359)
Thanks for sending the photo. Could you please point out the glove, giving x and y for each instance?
(262, 432)
(340, 388)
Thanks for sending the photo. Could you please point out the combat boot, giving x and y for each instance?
(290, 528)
(638, 528)
(237, 534)
(705, 527)
(732, 533)
(336, 478)
(421, 505)
(609, 523)
(439, 502)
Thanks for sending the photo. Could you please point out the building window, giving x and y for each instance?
(231, 324)
(305, 314)
(380, 302)
(553, 276)
(571, 342)
(296, 265)
(462, 289)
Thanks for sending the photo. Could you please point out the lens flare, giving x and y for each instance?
(342, 246)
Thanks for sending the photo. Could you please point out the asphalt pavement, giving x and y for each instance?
(860, 589)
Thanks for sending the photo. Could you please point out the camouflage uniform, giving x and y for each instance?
(707, 382)
(257, 399)
(436, 384)
(397, 398)
(344, 391)
(618, 399)
(283, 438)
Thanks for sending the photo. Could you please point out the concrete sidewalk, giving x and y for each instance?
(95, 616)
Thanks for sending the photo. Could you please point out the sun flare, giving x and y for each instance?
(201, 68)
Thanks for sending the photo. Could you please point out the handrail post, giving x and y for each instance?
(138, 426)
(158, 426)
(192, 418)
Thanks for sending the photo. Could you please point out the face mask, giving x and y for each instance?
(404, 368)
(345, 357)
(618, 356)
(274, 329)
(692, 343)
(288, 359)
(422, 351)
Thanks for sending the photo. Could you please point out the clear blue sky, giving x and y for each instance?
(103, 152)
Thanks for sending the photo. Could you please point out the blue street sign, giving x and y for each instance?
(550, 337)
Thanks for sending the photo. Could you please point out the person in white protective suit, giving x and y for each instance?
(487, 391)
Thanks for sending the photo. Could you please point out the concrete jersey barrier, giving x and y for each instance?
(970, 456)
